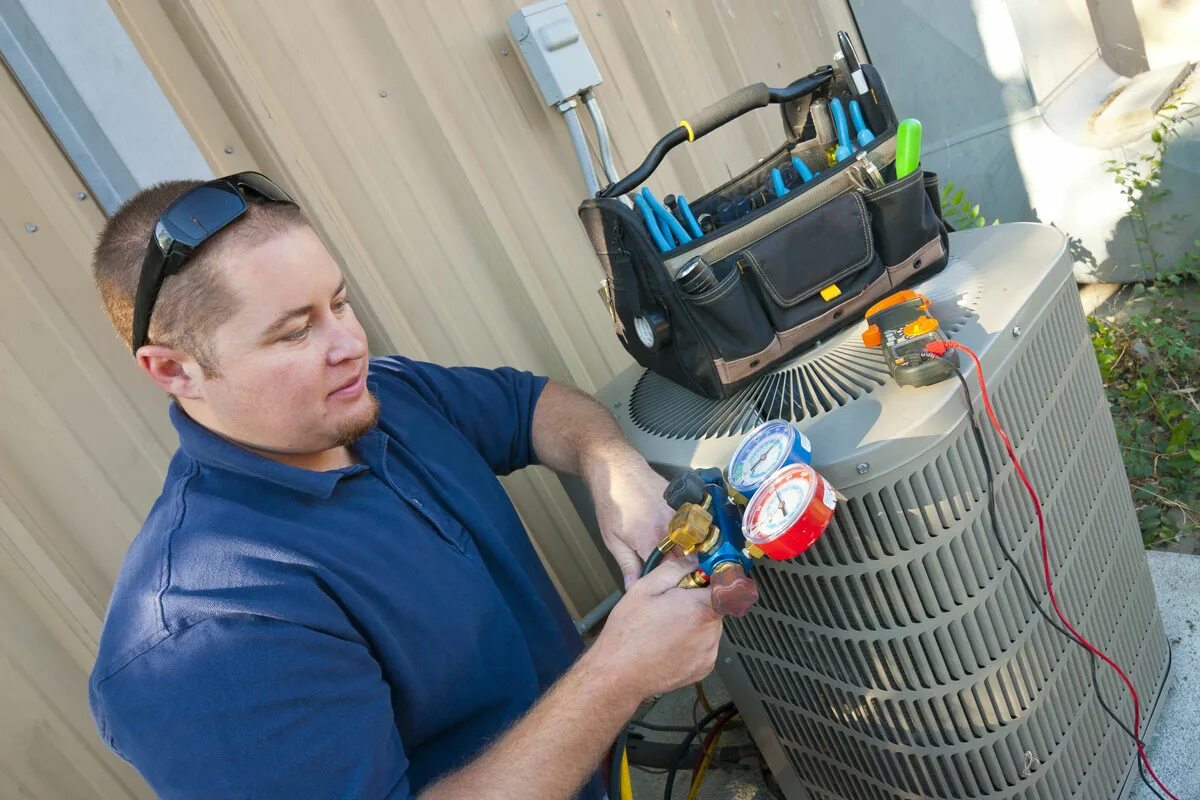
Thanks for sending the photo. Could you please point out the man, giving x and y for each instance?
(333, 597)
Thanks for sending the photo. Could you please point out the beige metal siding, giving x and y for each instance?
(83, 446)
(411, 133)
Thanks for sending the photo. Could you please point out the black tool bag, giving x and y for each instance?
(784, 276)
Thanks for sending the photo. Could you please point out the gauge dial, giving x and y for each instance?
(767, 448)
(789, 512)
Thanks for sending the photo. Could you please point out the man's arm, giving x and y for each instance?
(573, 433)
(657, 638)
(250, 707)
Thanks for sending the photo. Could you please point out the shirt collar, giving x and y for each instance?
(201, 444)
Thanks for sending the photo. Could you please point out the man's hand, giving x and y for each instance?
(631, 512)
(660, 637)
(573, 433)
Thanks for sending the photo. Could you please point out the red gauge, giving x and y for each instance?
(789, 512)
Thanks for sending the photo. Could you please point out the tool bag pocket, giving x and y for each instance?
(909, 235)
(731, 317)
(813, 263)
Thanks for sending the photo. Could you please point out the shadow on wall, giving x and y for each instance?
(937, 70)
(1005, 92)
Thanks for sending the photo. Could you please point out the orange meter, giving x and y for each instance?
(901, 325)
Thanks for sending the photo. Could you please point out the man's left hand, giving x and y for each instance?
(633, 517)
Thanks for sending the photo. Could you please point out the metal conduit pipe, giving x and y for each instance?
(606, 159)
(579, 142)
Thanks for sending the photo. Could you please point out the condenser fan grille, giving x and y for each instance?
(830, 376)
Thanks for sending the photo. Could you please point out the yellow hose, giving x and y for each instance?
(698, 778)
(626, 783)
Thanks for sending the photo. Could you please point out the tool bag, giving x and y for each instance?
(777, 280)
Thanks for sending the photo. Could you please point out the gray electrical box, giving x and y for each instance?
(555, 52)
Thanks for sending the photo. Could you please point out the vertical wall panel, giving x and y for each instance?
(83, 445)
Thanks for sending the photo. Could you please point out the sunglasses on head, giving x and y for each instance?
(188, 223)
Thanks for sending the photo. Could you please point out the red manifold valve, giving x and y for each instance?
(788, 512)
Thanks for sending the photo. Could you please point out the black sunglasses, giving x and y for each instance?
(187, 223)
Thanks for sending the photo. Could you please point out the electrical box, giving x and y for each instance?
(556, 54)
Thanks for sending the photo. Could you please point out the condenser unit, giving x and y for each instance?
(899, 659)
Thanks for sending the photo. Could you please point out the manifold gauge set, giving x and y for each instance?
(769, 502)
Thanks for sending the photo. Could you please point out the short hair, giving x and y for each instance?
(195, 301)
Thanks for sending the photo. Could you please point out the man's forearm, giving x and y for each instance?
(553, 750)
(572, 432)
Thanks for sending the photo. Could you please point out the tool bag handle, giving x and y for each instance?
(707, 120)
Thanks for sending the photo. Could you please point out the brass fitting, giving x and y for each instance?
(753, 551)
(693, 580)
(691, 529)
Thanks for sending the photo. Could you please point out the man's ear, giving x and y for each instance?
(174, 371)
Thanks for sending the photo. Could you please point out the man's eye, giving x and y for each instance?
(298, 335)
(340, 305)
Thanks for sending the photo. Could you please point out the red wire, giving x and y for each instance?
(939, 349)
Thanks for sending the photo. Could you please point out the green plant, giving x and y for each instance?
(1140, 181)
(1149, 360)
(1150, 365)
(959, 211)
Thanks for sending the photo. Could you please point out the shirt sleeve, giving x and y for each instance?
(492, 408)
(251, 707)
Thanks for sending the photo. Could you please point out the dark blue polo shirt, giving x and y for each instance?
(280, 632)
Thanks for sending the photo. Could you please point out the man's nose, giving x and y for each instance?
(347, 343)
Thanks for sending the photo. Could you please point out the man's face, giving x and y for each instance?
(292, 361)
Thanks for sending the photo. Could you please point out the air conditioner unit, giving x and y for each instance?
(899, 657)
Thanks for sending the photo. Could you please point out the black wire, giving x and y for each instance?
(987, 469)
(682, 752)
(653, 726)
(652, 561)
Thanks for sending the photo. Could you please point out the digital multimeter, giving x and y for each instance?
(901, 325)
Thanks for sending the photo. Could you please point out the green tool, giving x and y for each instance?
(908, 146)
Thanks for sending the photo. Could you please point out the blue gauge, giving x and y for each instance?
(767, 448)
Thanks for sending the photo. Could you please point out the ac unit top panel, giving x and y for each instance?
(839, 392)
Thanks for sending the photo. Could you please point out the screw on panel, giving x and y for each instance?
(31, 228)
(1016, 331)
(383, 93)
(728, 660)
(503, 51)
(81, 195)
(862, 468)
(228, 150)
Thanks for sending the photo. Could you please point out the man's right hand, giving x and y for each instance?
(660, 637)
(657, 638)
